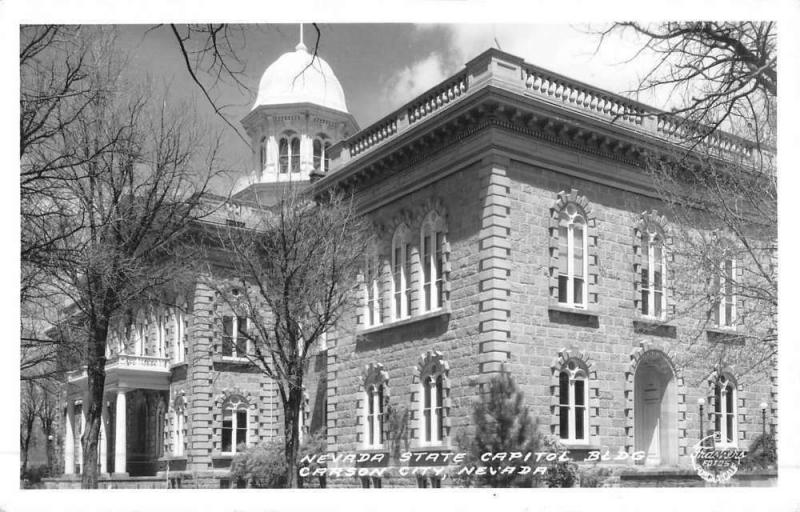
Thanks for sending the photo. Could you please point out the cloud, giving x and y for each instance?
(415, 79)
(565, 49)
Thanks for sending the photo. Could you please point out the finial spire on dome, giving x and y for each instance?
(301, 45)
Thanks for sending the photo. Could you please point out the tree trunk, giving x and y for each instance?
(25, 448)
(291, 409)
(96, 376)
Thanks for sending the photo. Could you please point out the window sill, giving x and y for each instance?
(168, 458)
(655, 327)
(576, 444)
(574, 316)
(724, 335)
(442, 312)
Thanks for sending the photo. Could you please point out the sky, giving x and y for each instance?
(380, 66)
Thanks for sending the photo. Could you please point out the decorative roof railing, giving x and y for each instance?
(500, 69)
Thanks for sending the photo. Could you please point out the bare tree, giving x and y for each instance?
(719, 183)
(291, 273)
(124, 188)
(30, 402)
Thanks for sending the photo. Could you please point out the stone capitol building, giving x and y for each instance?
(516, 228)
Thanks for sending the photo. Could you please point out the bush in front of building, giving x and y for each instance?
(32, 477)
(502, 424)
(261, 466)
(762, 454)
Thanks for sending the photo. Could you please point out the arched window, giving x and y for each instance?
(234, 336)
(432, 262)
(376, 393)
(373, 293)
(262, 155)
(434, 388)
(653, 273)
(283, 155)
(179, 335)
(725, 410)
(289, 153)
(161, 334)
(326, 161)
(401, 273)
(572, 261)
(234, 424)
(725, 283)
(321, 154)
(179, 427)
(572, 400)
(374, 423)
(432, 411)
(295, 154)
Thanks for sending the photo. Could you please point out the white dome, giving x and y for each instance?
(290, 79)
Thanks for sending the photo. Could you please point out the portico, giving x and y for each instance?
(131, 429)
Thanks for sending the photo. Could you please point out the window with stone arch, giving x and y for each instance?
(179, 332)
(574, 391)
(652, 266)
(179, 426)
(725, 284)
(724, 393)
(573, 251)
(573, 400)
(434, 400)
(234, 430)
(375, 384)
(401, 273)
(433, 246)
(321, 149)
(289, 153)
(572, 260)
(373, 288)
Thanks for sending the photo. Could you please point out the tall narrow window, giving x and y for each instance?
(161, 335)
(374, 425)
(326, 160)
(295, 152)
(401, 278)
(234, 425)
(321, 157)
(653, 270)
(432, 262)
(725, 281)
(262, 155)
(372, 292)
(179, 345)
(725, 410)
(283, 155)
(234, 336)
(432, 410)
(179, 428)
(572, 261)
(572, 399)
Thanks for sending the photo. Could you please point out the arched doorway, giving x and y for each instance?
(655, 410)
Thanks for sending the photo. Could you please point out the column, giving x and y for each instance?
(69, 441)
(120, 455)
(103, 436)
